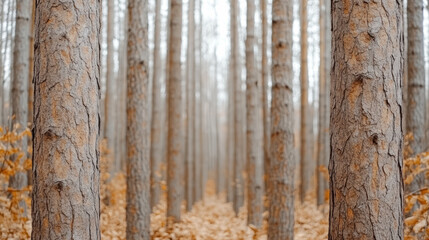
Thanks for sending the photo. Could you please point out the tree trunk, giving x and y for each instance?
(156, 136)
(304, 135)
(282, 162)
(230, 136)
(190, 99)
(174, 146)
(415, 122)
(265, 107)
(238, 187)
(324, 72)
(109, 106)
(138, 118)
(253, 141)
(366, 186)
(65, 199)
(3, 5)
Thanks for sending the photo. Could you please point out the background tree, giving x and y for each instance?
(174, 145)
(138, 118)
(66, 202)
(366, 194)
(282, 162)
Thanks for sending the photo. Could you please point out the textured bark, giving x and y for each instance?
(230, 138)
(305, 155)
(238, 183)
(265, 107)
(324, 77)
(366, 186)
(174, 145)
(282, 162)
(190, 101)
(253, 141)
(416, 106)
(138, 119)
(21, 66)
(109, 105)
(65, 198)
(2, 4)
(156, 130)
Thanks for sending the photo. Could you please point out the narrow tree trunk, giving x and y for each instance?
(230, 137)
(156, 130)
(3, 4)
(366, 186)
(137, 137)
(237, 157)
(282, 162)
(415, 122)
(65, 199)
(174, 146)
(202, 129)
(190, 97)
(324, 71)
(304, 147)
(265, 107)
(253, 148)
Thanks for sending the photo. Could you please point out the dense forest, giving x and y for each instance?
(227, 119)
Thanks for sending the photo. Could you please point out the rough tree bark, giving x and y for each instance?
(366, 186)
(21, 66)
(416, 104)
(238, 183)
(174, 145)
(304, 134)
(138, 119)
(190, 100)
(253, 141)
(282, 162)
(324, 72)
(156, 136)
(65, 198)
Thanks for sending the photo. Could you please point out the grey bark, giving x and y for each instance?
(366, 128)
(138, 119)
(282, 162)
(175, 177)
(253, 140)
(65, 198)
(157, 120)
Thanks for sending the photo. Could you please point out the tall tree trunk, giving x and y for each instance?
(21, 66)
(324, 72)
(174, 146)
(202, 127)
(230, 136)
(65, 199)
(190, 99)
(138, 118)
(416, 106)
(238, 199)
(3, 5)
(282, 162)
(109, 105)
(304, 135)
(156, 130)
(366, 186)
(265, 107)
(253, 141)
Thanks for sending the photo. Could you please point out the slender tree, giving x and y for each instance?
(304, 135)
(174, 144)
(21, 66)
(324, 72)
(156, 136)
(65, 198)
(366, 186)
(253, 141)
(282, 162)
(415, 117)
(190, 99)
(137, 136)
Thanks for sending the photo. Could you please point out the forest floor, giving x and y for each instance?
(210, 219)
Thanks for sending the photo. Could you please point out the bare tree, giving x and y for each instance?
(174, 95)
(366, 129)
(65, 198)
(282, 162)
